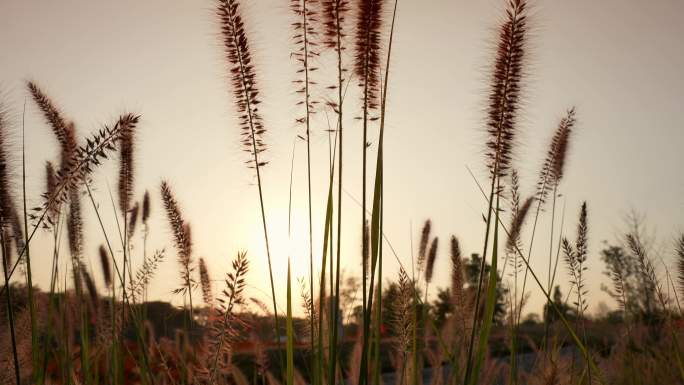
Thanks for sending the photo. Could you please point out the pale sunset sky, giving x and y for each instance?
(618, 62)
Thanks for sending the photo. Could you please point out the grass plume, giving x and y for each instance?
(224, 327)
(126, 171)
(182, 239)
(205, 283)
(105, 266)
(367, 55)
(554, 164)
(60, 126)
(86, 158)
(423, 245)
(146, 207)
(575, 259)
(505, 87)
(7, 210)
(431, 258)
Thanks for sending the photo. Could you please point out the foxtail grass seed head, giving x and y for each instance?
(126, 171)
(144, 275)
(75, 225)
(205, 283)
(456, 274)
(64, 130)
(146, 207)
(51, 113)
(50, 178)
(181, 235)
(334, 14)
(104, 264)
(8, 211)
(431, 258)
(97, 149)
(6, 208)
(575, 258)
(504, 90)
(367, 44)
(93, 295)
(243, 79)
(225, 327)
(402, 320)
(554, 164)
(582, 234)
(17, 231)
(423, 245)
(517, 223)
(133, 219)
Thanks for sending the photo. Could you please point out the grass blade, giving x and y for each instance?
(489, 304)
(289, 330)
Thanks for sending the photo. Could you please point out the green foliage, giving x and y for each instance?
(472, 268)
(567, 311)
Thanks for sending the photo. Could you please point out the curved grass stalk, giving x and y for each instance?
(490, 301)
(376, 219)
(580, 345)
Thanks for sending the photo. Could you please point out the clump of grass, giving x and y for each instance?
(179, 360)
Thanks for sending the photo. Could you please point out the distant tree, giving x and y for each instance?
(550, 315)
(350, 295)
(531, 319)
(442, 306)
(633, 292)
(472, 274)
(390, 300)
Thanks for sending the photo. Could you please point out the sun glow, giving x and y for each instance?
(284, 245)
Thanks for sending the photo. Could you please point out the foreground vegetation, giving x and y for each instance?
(474, 332)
